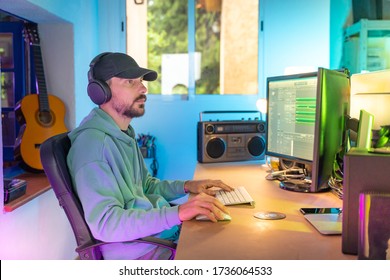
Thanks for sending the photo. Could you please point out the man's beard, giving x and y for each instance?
(134, 110)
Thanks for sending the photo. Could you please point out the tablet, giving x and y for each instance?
(327, 224)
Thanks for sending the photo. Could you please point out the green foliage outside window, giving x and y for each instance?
(168, 34)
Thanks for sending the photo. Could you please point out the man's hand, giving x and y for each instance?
(202, 204)
(205, 186)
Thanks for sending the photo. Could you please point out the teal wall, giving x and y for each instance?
(341, 17)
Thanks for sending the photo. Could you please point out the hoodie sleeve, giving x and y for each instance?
(169, 189)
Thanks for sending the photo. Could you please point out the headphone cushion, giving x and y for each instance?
(99, 92)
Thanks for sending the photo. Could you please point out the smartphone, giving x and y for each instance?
(332, 210)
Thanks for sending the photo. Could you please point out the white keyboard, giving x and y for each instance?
(238, 196)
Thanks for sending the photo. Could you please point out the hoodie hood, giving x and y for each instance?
(100, 120)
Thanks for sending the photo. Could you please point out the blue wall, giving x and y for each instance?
(341, 17)
(174, 124)
(295, 33)
(173, 120)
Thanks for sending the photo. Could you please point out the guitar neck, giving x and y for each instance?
(40, 76)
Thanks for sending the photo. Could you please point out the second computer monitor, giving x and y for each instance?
(306, 122)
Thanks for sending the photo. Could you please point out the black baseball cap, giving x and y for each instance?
(107, 65)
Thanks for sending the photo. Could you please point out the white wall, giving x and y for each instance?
(38, 230)
(57, 41)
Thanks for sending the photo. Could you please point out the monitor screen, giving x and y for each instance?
(306, 116)
(291, 116)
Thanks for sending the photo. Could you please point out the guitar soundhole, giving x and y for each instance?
(45, 118)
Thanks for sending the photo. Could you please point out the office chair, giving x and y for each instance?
(53, 156)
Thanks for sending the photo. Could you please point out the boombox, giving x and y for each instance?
(224, 141)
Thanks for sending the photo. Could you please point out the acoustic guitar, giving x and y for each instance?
(40, 115)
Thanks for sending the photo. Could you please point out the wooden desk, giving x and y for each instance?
(246, 237)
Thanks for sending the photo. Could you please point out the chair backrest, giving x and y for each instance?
(53, 153)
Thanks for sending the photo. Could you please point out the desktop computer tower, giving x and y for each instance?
(363, 172)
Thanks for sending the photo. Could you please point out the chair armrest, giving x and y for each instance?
(157, 241)
(91, 251)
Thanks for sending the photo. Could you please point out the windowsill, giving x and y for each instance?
(37, 184)
(187, 97)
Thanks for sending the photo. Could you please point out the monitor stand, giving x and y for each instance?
(295, 185)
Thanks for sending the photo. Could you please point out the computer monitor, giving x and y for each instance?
(371, 92)
(306, 116)
(364, 133)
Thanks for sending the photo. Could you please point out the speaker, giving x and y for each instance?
(99, 91)
(224, 141)
(363, 172)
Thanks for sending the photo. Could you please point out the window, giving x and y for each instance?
(196, 46)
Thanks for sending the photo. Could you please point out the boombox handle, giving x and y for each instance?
(227, 112)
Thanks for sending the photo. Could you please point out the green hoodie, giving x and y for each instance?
(121, 200)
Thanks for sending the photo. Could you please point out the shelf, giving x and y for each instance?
(366, 46)
(37, 184)
(366, 25)
(13, 81)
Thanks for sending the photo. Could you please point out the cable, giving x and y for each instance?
(154, 165)
(292, 173)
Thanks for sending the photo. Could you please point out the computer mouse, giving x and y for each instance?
(226, 217)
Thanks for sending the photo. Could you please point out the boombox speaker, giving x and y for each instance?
(224, 141)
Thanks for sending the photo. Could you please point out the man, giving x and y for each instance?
(121, 200)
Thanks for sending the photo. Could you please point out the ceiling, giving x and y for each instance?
(25, 10)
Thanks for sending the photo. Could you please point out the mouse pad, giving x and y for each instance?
(326, 223)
